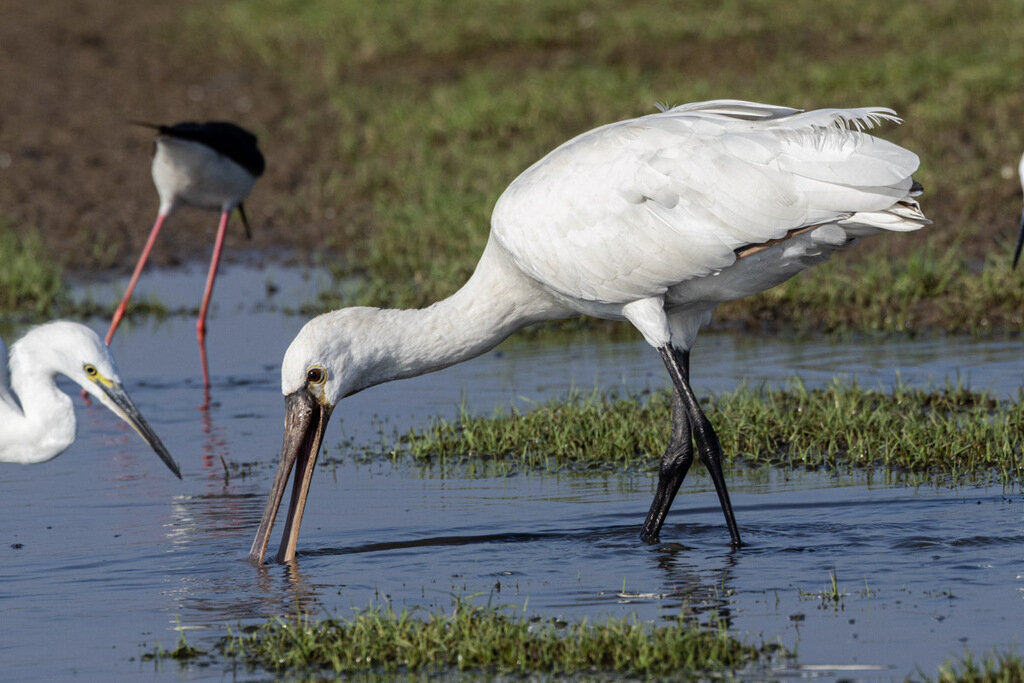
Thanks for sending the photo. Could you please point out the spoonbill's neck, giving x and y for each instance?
(495, 302)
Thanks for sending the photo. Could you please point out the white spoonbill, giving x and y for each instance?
(37, 419)
(211, 165)
(654, 220)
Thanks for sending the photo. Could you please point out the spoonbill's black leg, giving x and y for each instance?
(675, 463)
(709, 449)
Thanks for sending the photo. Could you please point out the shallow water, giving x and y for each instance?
(105, 553)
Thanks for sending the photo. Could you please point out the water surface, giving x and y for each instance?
(105, 554)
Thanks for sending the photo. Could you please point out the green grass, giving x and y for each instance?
(998, 667)
(491, 640)
(182, 652)
(32, 286)
(30, 283)
(948, 435)
(926, 291)
(831, 596)
(437, 106)
(414, 116)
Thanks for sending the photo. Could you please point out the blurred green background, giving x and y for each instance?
(391, 129)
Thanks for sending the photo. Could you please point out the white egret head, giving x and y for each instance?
(75, 351)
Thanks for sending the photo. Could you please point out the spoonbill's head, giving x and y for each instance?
(324, 363)
(75, 351)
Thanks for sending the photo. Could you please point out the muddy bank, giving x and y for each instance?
(73, 73)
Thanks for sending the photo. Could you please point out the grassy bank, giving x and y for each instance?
(946, 435)
(927, 291)
(391, 129)
(428, 110)
(33, 288)
(30, 283)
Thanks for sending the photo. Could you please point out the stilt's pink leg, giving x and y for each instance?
(119, 313)
(205, 405)
(210, 277)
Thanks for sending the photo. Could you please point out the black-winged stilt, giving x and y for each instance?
(213, 166)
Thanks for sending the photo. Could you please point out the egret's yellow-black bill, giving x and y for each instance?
(123, 407)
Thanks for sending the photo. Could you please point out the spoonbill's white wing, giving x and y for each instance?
(630, 209)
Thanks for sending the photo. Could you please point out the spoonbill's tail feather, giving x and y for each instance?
(737, 109)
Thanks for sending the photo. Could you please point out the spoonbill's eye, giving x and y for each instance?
(90, 370)
(316, 375)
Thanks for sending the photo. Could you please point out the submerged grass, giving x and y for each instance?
(946, 435)
(831, 596)
(480, 639)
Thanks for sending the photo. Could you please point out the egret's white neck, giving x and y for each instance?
(495, 302)
(45, 424)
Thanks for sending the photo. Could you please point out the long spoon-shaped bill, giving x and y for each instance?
(305, 421)
(1020, 240)
(121, 405)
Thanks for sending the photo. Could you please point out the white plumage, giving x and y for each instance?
(642, 208)
(655, 220)
(37, 419)
(191, 173)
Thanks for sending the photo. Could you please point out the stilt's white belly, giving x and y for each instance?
(194, 174)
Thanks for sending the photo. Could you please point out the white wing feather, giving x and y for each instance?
(632, 208)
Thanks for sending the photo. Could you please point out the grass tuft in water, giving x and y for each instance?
(999, 667)
(946, 435)
(182, 652)
(831, 596)
(474, 638)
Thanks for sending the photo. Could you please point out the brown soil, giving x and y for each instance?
(72, 73)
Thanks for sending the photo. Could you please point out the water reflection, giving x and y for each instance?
(221, 586)
(689, 592)
(215, 448)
